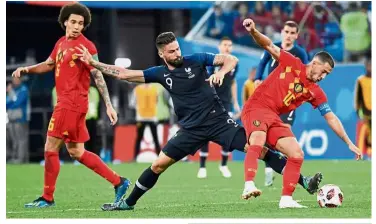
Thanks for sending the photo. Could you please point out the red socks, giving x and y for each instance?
(51, 171)
(251, 162)
(291, 175)
(93, 162)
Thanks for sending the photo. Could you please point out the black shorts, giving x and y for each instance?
(288, 118)
(218, 127)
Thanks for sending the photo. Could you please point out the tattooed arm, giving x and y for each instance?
(101, 86)
(43, 67)
(119, 72)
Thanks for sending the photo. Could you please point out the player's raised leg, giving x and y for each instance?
(51, 172)
(93, 162)
(277, 162)
(256, 142)
(290, 147)
(144, 183)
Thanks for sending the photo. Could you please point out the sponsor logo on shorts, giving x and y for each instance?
(256, 123)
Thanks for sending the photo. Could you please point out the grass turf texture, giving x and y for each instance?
(179, 194)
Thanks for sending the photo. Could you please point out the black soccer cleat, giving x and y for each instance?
(313, 183)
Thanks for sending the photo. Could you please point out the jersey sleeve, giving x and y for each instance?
(152, 74)
(286, 58)
(265, 58)
(206, 59)
(319, 97)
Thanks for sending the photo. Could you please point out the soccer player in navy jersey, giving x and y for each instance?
(200, 112)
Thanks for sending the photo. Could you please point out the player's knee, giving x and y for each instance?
(297, 154)
(75, 153)
(257, 138)
(158, 167)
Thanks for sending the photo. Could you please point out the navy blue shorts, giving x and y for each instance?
(219, 127)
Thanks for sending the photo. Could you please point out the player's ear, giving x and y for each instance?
(160, 54)
(65, 23)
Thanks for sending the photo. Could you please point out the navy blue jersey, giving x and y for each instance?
(266, 59)
(192, 96)
(224, 91)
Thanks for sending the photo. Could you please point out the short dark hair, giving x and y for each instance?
(292, 24)
(225, 38)
(324, 57)
(164, 38)
(77, 9)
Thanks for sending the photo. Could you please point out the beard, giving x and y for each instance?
(177, 62)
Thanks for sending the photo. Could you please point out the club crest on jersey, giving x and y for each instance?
(298, 88)
(256, 123)
(189, 71)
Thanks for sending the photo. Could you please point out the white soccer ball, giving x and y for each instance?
(329, 196)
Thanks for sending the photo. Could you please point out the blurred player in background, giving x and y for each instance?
(227, 92)
(145, 98)
(249, 86)
(363, 107)
(289, 35)
(201, 114)
(291, 84)
(67, 124)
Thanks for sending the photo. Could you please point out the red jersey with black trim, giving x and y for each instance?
(72, 76)
(286, 88)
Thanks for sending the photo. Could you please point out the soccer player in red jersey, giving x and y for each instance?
(291, 84)
(67, 124)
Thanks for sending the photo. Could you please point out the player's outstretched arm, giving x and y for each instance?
(336, 125)
(227, 63)
(261, 39)
(111, 70)
(40, 68)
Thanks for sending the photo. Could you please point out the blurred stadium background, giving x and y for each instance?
(124, 33)
(127, 30)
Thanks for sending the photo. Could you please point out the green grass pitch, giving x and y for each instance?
(179, 194)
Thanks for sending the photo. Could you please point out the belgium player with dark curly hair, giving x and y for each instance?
(67, 124)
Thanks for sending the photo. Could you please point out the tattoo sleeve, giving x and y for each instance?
(101, 85)
(110, 70)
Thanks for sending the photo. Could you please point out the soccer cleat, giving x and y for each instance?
(288, 202)
(202, 173)
(121, 189)
(121, 205)
(312, 183)
(225, 171)
(40, 203)
(269, 177)
(250, 190)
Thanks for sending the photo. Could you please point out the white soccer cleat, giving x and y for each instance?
(288, 202)
(269, 176)
(225, 171)
(202, 173)
(250, 190)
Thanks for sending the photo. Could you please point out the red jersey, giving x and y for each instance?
(72, 76)
(286, 88)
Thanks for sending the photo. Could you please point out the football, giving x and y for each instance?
(329, 196)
